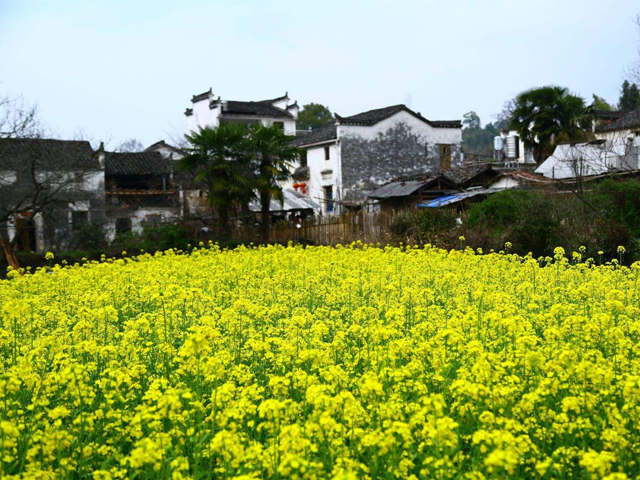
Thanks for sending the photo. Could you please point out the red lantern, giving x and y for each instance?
(295, 186)
(302, 185)
(304, 190)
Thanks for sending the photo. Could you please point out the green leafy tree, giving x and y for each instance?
(475, 139)
(221, 159)
(471, 120)
(629, 97)
(313, 115)
(601, 104)
(548, 115)
(273, 156)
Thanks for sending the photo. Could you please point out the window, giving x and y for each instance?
(326, 153)
(78, 219)
(123, 225)
(328, 199)
(303, 158)
(153, 220)
(445, 157)
(279, 125)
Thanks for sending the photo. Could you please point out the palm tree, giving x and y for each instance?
(274, 155)
(221, 157)
(548, 115)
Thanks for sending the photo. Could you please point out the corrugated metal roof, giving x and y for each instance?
(398, 189)
(292, 201)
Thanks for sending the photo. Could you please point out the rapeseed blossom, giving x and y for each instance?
(353, 362)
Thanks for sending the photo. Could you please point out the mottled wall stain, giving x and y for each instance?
(399, 151)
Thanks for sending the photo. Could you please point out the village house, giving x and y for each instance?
(139, 191)
(342, 163)
(48, 190)
(597, 157)
(615, 126)
(208, 111)
(191, 194)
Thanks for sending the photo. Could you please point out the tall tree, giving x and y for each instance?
(313, 115)
(19, 119)
(220, 158)
(629, 97)
(503, 119)
(601, 104)
(274, 156)
(548, 115)
(477, 142)
(471, 120)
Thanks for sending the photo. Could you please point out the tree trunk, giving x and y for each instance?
(223, 214)
(265, 197)
(265, 200)
(9, 255)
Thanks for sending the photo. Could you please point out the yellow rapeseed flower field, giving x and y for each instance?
(348, 363)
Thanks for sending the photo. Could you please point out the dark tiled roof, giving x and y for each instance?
(138, 163)
(372, 117)
(201, 96)
(463, 175)
(625, 121)
(608, 114)
(258, 109)
(317, 135)
(50, 154)
(162, 144)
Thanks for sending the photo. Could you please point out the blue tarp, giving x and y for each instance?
(440, 202)
(449, 199)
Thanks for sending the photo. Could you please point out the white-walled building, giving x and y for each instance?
(344, 162)
(618, 125)
(208, 111)
(572, 160)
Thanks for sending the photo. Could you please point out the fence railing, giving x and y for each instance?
(368, 227)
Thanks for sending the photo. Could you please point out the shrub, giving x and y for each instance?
(164, 237)
(621, 200)
(422, 226)
(89, 237)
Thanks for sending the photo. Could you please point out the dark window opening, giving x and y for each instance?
(200, 193)
(26, 229)
(328, 198)
(279, 125)
(303, 158)
(79, 219)
(123, 225)
(326, 153)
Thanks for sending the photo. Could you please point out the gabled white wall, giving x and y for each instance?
(318, 180)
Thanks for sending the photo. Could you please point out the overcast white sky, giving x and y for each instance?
(122, 69)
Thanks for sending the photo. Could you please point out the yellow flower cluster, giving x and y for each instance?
(347, 363)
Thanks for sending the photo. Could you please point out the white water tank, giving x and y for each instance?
(513, 144)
